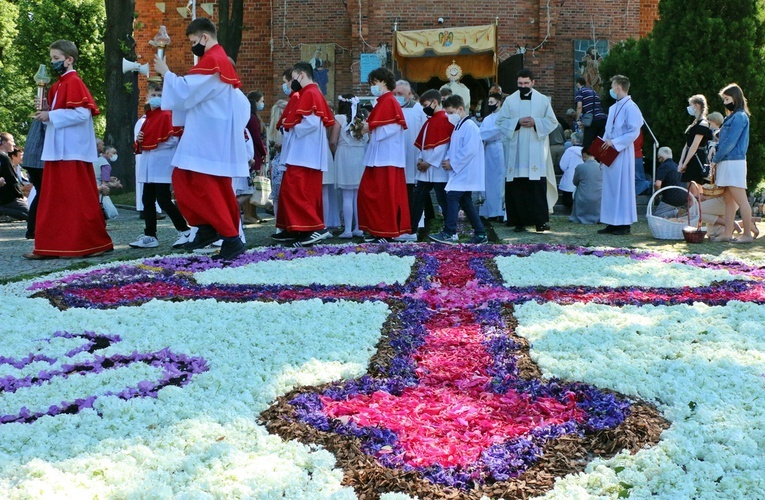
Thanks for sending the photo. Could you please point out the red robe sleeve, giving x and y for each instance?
(439, 131)
(158, 128)
(386, 112)
(70, 92)
(214, 61)
(311, 102)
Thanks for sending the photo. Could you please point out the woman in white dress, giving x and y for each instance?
(349, 144)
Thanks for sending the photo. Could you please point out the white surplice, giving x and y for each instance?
(214, 115)
(433, 156)
(527, 149)
(386, 147)
(617, 205)
(494, 159)
(466, 158)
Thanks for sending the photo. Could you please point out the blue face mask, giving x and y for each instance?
(401, 100)
(286, 89)
(375, 90)
(613, 95)
(261, 106)
(155, 102)
(58, 67)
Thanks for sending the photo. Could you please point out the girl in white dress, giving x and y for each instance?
(349, 146)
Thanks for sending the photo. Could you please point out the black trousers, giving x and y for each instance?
(422, 201)
(597, 129)
(161, 194)
(526, 202)
(36, 178)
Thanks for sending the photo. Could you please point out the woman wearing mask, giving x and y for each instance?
(697, 135)
(255, 131)
(495, 161)
(729, 163)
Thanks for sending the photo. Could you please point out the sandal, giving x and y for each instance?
(755, 231)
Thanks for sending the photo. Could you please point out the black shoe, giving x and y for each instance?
(608, 229)
(205, 236)
(285, 237)
(543, 227)
(140, 215)
(231, 249)
(311, 238)
(519, 229)
(161, 216)
(621, 230)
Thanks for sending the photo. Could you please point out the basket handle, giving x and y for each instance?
(697, 199)
(649, 209)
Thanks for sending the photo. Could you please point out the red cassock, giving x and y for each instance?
(383, 201)
(69, 218)
(301, 208)
(205, 199)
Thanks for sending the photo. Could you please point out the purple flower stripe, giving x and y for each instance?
(177, 369)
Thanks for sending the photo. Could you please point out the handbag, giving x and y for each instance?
(108, 208)
(262, 190)
(586, 119)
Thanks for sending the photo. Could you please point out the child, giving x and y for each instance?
(433, 143)
(465, 165)
(348, 144)
(214, 112)
(156, 143)
(69, 219)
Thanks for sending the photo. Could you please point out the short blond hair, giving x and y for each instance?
(69, 49)
(715, 117)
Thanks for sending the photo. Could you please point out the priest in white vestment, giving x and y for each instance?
(526, 120)
(617, 206)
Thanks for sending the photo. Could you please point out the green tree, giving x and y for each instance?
(697, 50)
(37, 24)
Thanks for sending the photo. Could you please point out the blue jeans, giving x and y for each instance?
(641, 182)
(464, 200)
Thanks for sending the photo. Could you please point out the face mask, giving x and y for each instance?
(261, 106)
(691, 111)
(454, 119)
(198, 49)
(155, 102)
(295, 86)
(286, 88)
(113, 158)
(401, 100)
(730, 106)
(58, 67)
(375, 90)
(524, 91)
(492, 107)
(613, 95)
(428, 111)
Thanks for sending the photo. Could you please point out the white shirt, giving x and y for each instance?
(414, 119)
(466, 157)
(307, 144)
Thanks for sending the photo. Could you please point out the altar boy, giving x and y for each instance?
(465, 165)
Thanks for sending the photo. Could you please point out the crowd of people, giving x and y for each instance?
(371, 171)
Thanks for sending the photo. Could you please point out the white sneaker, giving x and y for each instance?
(145, 242)
(406, 238)
(208, 250)
(183, 238)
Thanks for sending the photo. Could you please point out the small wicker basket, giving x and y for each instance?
(690, 233)
(712, 190)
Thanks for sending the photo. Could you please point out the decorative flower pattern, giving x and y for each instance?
(245, 344)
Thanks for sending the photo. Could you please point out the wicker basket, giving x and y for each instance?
(667, 229)
(712, 190)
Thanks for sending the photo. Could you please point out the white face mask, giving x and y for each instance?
(454, 119)
(113, 158)
(375, 90)
(691, 110)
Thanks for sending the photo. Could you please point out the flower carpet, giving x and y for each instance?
(393, 371)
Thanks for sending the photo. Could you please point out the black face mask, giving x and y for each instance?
(198, 49)
(492, 107)
(428, 111)
(295, 86)
(730, 106)
(524, 91)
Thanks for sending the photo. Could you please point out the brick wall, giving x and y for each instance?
(525, 23)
